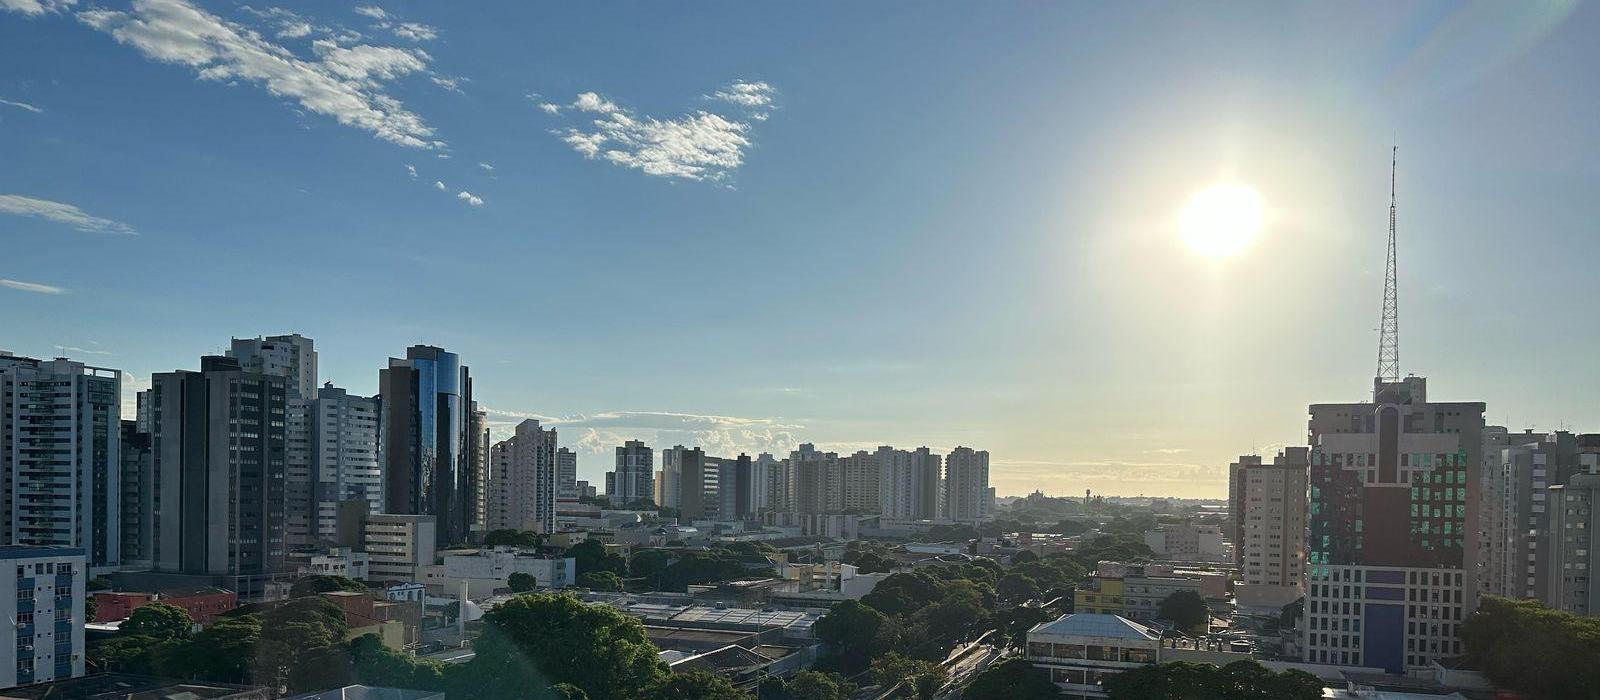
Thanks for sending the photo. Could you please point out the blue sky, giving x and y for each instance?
(852, 223)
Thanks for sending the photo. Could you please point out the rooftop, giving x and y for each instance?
(1096, 625)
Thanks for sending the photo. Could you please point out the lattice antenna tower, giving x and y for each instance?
(1389, 328)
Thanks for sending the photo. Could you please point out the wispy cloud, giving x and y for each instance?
(372, 11)
(470, 198)
(754, 96)
(485, 166)
(62, 213)
(344, 83)
(36, 7)
(448, 83)
(21, 105)
(34, 287)
(82, 351)
(698, 146)
(411, 170)
(415, 31)
(550, 108)
(439, 185)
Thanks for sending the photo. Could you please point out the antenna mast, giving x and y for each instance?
(1389, 330)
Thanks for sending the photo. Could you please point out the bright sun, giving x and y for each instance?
(1221, 220)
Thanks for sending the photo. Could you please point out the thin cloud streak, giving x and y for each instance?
(33, 287)
(62, 213)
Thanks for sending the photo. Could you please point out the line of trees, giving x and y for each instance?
(1535, 650)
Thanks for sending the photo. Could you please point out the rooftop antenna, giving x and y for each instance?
(1389, 329)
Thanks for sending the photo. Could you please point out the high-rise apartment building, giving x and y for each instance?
(734, 484)
(1267, 503)
(764, 483)
(684, 482)
(522, 480)
(1573, 567)
(566, 474)
(344, 430)
(862, 482)
(967, 485)
(293, 357)
(478, 469)
(42, 604)
(817, 481)
(928, 469)
(429, 440)
(60, 461)
(1392, 570)
(137, 503)
(634, 477)
(909, 483)
(218, 458)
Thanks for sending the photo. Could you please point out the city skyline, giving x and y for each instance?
(808, 277)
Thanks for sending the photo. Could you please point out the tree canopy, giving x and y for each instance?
(1012, 679)
(591, 555)
(600, 581)
(512, 538)
(1186, 609)
(1532, 649)
(317, 584)
(695, 685)
(158, 621)
(521, 582)
(538, 641)
(1240, 680)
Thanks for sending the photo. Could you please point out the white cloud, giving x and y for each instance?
(344, 84)
(82, 351)
(439, 185)
(372, 11)
(486, 166)
(22, 105)
(61, 212)
(550, 108)
(745, 94)
(36, 7)
(34, 287)
(470, 198)
(593, 102)
(411, 170)
(698, 146)
(415, 31)
(451, 84)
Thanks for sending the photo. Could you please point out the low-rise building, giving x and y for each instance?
(1187, 542)
(338, 561)
(1081, 650)
(1136, 591)
(485, 571)
(203, 604)
(41, 604)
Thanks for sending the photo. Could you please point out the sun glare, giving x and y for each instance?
(1220, 221)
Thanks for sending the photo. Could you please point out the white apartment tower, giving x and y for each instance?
(1574, 567)
(1268, 505)
(344, 455)
(566, 475)
(60, 460)
(522, 480)
(967, 485)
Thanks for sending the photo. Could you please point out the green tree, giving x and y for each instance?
(521, 582)
(124, 653)
(1016, 587)
(923, 678)
(539, 640)
(647, 563)
(850, 630)
(1532, 649)
(158, 621)
(1012, 679)
(600, 581)
(1240, 680)
(694, 685)
(815, 685)
(1013, 624)
(1024, 557)
(318, 584)
(1186, 609)
(591, 555)
(377, 665)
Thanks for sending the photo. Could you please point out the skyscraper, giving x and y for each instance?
(862, 482)
(522, 481)
(966, 485)
(633, 478)
(817, 481)
(1268, 505)
(138, 495)
(566, 474)
(293, 357)
(928, 484)
(60, 464)
(218, 453)
(428, 440)
(344, 456)
(1394, 527)
(1573, 567)
(684, 482)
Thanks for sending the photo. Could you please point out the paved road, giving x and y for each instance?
(963, 669)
